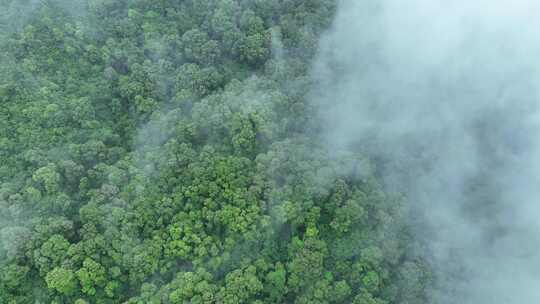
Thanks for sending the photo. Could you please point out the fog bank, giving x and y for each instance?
(443, 96)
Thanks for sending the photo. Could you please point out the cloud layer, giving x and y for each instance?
(443, 95)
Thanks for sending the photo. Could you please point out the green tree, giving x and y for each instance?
(62, 280)
(48, 177)
(91, 276)
(241, 286)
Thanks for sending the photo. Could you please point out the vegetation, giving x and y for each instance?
(159, 151)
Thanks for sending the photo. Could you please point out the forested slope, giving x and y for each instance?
(159, 151)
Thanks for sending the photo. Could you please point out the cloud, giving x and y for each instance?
(443, 95)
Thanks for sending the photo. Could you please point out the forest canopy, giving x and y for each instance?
(160, 151)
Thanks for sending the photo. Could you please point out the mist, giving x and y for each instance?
(443, 97)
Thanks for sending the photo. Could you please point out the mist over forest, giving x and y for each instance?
(269, 151)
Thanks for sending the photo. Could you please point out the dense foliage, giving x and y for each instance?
(159, 151)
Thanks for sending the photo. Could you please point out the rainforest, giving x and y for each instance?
(269, 151)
